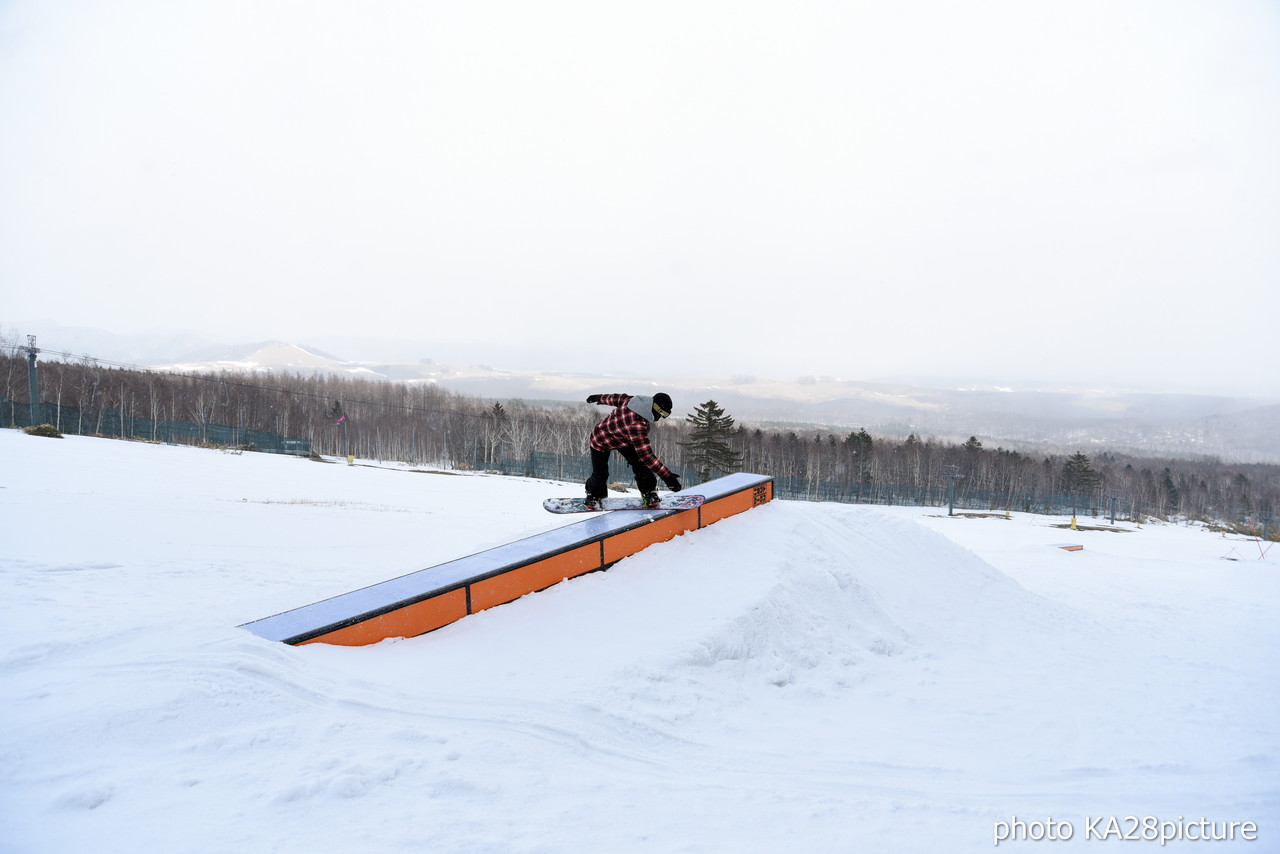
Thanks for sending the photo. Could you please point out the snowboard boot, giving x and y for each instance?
(649, 499)
(592, 503)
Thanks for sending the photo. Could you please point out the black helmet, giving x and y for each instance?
(661, 405)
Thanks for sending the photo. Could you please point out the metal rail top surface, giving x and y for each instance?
(432, 581)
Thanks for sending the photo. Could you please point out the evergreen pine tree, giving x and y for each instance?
(860, 443)
(708, 449)
(1171, 490)
(1078, 475)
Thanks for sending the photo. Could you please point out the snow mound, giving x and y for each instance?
(801, 676)
(811, 598)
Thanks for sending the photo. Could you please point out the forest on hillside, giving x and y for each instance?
(424, 425)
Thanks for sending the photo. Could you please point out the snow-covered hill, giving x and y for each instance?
(806, 677)
(275, 356)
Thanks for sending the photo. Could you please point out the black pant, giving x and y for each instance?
(598, 483)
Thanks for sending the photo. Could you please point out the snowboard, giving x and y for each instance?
(674, 501)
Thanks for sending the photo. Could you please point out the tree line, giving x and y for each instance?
(422, 424)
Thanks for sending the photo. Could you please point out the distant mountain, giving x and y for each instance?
(142, 349)
(1048, 419)
(272, 356)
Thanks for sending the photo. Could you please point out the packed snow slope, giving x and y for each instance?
(802, 677)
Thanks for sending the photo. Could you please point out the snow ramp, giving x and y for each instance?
(430, 598)
(804, 594)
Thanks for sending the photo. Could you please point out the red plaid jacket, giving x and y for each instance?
(624, 427)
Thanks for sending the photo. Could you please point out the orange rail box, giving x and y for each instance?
(421, 601)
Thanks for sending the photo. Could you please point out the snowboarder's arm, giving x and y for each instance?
(644, 450)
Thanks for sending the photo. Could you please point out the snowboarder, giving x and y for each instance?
(626, 430)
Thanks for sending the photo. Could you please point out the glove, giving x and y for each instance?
(593, 398)
(672, 482)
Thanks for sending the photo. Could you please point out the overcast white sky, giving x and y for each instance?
(1085, 191)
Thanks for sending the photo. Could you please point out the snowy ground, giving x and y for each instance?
(803, 677)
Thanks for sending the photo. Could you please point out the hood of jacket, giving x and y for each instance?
(642, 406)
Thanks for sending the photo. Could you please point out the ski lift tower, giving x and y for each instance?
(1113, 496)
(33, 379)
(951, 473)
